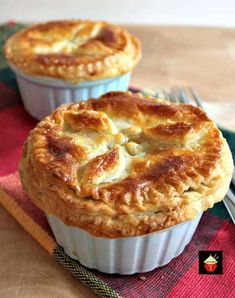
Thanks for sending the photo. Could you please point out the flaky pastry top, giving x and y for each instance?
(74, 50)
(125, 164)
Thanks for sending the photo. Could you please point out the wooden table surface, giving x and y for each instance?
(172, 56)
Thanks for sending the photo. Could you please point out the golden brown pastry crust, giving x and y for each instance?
(125, 165)
(73, 50)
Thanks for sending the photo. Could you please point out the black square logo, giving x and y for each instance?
(210, 262)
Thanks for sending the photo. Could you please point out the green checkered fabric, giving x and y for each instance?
(84, 275)
(5, 32)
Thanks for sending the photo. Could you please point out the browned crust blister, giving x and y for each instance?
(125, 164)
(74, 50)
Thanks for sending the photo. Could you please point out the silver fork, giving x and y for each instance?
(179, 95)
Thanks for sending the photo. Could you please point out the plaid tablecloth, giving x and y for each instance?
(180, 278)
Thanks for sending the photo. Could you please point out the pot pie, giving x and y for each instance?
(125, 165)
(74, 50)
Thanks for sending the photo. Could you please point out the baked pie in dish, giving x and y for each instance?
(66, 60)
(74, 51)
(125, 165)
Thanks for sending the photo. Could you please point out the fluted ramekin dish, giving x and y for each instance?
(126, 255)
(41, 95)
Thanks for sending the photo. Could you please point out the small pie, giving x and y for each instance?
(74, 50)
(125, 164)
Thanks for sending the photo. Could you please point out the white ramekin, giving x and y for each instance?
(41, 95)
(123, 255)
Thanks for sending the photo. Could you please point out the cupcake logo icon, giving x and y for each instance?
(210, 262)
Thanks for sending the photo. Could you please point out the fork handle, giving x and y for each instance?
(230, 208)
(231, 196)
